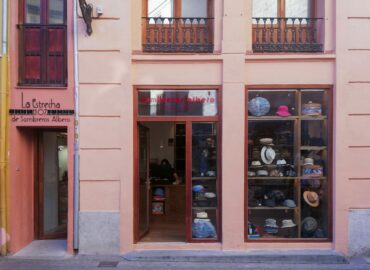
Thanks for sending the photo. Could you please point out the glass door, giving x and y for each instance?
(144, 181)
(204, 185)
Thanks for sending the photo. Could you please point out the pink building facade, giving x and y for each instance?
(234, 59)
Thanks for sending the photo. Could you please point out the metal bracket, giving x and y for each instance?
(87, 14)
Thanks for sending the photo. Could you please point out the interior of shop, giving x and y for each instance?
(162, 163)
(52, 185)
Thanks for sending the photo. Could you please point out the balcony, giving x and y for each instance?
(170, 34)
(287, 34)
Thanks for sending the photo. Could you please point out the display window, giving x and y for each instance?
(177, 165)
(288, 164)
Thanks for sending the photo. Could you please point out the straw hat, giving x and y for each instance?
(308, 161)
(311, 198)
(202, 215)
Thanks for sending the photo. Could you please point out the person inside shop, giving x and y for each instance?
(164, 171)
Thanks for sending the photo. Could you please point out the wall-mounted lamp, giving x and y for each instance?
(87, 11)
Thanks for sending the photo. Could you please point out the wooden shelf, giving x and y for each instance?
(312, 177)
(204, 178)
(321, 117)
(271, 208)
(271, 178)
(313, 148)
(272, 118)
(205, 208)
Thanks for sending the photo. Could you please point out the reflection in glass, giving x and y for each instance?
(194, 8)
(178, 102)
(160, 8)
(33, 11)
(56, 11)
(265, 8)
(297, 8)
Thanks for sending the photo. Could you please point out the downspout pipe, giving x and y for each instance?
(76, 145)
(4, 129)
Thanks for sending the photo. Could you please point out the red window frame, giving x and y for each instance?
(42, 48)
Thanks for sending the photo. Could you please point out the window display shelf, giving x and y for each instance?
(205, 178)
(305, 117)
(313, 148)
(277, 118)
(272, 208)
(271, 178)
(312, 177)
(204, 208)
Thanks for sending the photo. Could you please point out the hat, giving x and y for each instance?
(198, 188)
(209, 195)
(283, 111)
(277, 195)
(251, 174)
(309, 224)
(311, 109)
(311, 198)
(158, 191)
(202, 215)
(256, 163)
(258, 106)
(271, 226)
(281, 162)
(288, 223)
(267, 154)
(308, 161)
(266, 141)
(289, 203)
(262, 173)
(269, 203)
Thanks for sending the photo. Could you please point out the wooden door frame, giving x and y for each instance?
(187, 120)
(38, 187)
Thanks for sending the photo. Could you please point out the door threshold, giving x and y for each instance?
(176, 246)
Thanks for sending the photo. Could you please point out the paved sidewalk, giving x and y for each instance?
(92, 262)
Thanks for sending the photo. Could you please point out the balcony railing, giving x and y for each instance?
(287, 34)
(43, 55)
(193, 35)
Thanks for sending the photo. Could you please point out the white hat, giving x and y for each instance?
(266, 141)
(268, 154)
(308, 161)
(256, 163)
(202, 215)
(209, 195)
(262, 173)
(281, 162)
(288, 223)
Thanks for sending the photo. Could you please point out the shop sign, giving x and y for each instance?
(37, 111)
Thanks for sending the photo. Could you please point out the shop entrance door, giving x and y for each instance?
(177, 166)
(51, 185)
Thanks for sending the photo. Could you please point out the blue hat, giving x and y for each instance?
(198, 188)
(259, 106)
(158, 191)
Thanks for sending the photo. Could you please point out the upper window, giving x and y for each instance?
(43, 43)
(283, 8)
(177, 8)
(178, 26)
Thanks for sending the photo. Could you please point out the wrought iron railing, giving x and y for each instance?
(287, 34)
(43, 55)
(178, 35)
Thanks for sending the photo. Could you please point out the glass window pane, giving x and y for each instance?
(33, 11)
(265, 8)
(194, 8)
(204, 181)
(56, 11)
(297, 8)
(178, 102)
(160, 8)
(288, 184)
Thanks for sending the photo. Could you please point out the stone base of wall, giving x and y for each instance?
(99, 233)
(359, 232)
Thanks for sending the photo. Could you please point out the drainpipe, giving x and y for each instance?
(76, 146)
(4, 132)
